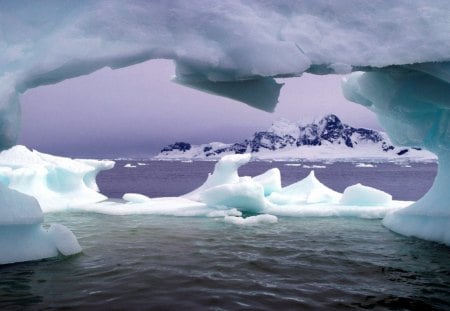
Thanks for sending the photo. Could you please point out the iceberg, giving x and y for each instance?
(363, 195)
(56, 182)
(413, 104)
(237, 48)
(225, 193)
(306, 191)
(23, 237)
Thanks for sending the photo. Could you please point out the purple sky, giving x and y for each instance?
(135, 111)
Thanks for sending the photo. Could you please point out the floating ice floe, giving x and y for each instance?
(23, 237)
(62, 184)
(129, 165)
(252, 220)
(57, 183)
(365, 165)
(225, 193)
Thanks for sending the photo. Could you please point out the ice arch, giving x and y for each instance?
(236, 48)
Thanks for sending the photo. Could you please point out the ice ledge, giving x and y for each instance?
(431, 228)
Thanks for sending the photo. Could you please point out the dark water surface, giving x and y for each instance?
(193, 263)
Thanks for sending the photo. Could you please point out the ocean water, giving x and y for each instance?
(194, 263)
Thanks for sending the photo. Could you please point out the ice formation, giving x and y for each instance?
(56, 182)
(413, 104)
(225, 193)
(363, 195)
(22, 234)
(306, 191)
(236, 48)
(252, 220)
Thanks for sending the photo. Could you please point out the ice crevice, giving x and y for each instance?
(237, 48)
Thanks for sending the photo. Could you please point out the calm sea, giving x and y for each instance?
(194, 263)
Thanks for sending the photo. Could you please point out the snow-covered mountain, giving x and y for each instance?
(328, 138)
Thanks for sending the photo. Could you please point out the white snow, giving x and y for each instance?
(56, 182)
(325, 152)
(285, 127)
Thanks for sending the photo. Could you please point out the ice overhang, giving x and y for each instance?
(237, 48)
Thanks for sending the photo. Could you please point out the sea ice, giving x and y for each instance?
(270, 180)
(136, 198)
(245, 195)
(22, 234)
(306, 191)
(363, 195)
(236, 49)
(166, 206)
(252, 220)
(56, 182)
(365, 165)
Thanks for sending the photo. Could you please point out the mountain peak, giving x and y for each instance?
(284, 127)
(287, 136)
(330, 119)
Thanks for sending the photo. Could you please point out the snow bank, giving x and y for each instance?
(56, 182)
(22, 235)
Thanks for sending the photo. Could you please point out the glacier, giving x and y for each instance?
(399, 53)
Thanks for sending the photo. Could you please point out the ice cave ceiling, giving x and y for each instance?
(236, 48)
